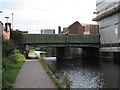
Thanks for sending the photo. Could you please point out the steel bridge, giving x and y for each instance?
(60, 40)
(55, 40)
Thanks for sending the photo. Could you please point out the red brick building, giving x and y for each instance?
(75, 28)
(92, 29)
(6, 31)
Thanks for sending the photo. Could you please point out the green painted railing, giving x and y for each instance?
(58, 38)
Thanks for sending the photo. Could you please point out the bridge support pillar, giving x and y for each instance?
(90, 52)
(60, 52)
(63, 53)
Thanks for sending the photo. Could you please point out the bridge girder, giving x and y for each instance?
(31, 46)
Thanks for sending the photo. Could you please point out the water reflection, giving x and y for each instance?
(89, 73)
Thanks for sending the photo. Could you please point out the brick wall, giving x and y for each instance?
(76, 28)
(6, 32)
(94, 29)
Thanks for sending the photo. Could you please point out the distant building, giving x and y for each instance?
(91, 29)
(65, 31)
(108, 19)
(48, 31)
(75, 28)
(6, 31)
(24, 32)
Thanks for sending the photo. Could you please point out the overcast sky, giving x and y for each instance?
(34, 15)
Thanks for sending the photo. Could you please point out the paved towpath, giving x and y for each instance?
(33, 75)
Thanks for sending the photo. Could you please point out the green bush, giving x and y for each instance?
(15, 57)
(12, 62)
(66, 81)
(7, 64)
(8, 47)
(10, 71)
(9, 75)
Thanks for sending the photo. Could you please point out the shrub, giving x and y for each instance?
(9, 75)
(14, 58)
(12, 62)
(10, 69)
(19, 56)
(66, 81)
(6, 64)
(8, 47)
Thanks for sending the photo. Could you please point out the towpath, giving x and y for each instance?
(33, 75)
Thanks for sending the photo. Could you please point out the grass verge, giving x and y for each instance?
(11, 69)
(52, 76)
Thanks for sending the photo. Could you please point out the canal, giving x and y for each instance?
(88, 73)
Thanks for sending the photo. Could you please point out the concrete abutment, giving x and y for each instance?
(91, 52)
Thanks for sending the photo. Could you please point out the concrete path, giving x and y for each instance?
(33, 75)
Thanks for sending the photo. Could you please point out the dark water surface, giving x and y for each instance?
(89, 73)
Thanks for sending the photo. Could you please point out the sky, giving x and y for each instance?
(34, 15)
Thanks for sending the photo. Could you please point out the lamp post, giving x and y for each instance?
(1, 11)
(7, 19)
(12, 21)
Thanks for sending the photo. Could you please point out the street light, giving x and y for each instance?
(12, 21)
(1, 11)
(7, 19)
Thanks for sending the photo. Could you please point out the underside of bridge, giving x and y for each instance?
(67, 52)
(88, 52)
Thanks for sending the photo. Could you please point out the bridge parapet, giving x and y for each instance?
(83, 39)
(59, 39)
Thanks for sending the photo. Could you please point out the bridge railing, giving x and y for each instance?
(58, 38)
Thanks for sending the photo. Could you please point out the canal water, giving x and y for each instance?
(88, 73)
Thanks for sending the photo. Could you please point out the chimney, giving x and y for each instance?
(7, 30)
(7, 27)
(59, 30)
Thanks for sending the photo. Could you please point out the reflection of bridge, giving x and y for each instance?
(89, 43)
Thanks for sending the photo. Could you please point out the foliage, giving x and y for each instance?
(8, 47)
(18, 56)
(66, 81)
(30, 51)
(6, 64)
(53, 68)
(0, 78)
(12, 62)
(10, 71)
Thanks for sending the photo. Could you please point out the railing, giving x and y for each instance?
(58, 38)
